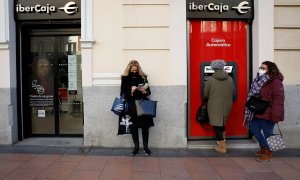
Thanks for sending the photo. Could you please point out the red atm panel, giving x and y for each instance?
(208, 41)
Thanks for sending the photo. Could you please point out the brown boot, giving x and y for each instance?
(222, 146)
(261, 152)
(266, 157)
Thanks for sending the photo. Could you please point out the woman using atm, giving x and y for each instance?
(218, 92)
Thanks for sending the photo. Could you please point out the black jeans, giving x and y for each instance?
(135, 136)
(219, 132)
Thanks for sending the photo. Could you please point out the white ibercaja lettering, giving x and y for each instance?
(37, 8)
(208, 7)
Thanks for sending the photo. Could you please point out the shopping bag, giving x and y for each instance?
(118, 105)
(125, 125)
(145, 108)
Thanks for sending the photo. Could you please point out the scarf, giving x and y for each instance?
(256, 85)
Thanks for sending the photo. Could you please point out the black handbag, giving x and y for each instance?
(257, 104)
(145, 108)
(202, 114)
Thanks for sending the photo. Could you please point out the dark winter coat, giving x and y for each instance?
(126, 84)
(219, 90)
(273, 91)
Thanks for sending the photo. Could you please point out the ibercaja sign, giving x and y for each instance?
(46, 9)
(220, 9)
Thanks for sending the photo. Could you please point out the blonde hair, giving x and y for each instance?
(130, 65)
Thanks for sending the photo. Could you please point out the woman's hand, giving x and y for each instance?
(142, 89)
(133, 88)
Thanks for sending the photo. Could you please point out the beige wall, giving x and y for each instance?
(131, 29)
(287, 39)
(5, 68)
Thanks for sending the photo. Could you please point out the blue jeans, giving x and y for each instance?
(262, 129)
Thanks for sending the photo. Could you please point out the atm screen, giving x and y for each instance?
(207, 71)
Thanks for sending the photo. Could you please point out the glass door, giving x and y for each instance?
(54, 85)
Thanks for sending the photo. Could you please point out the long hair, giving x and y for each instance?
(130, 65)
(272, 68)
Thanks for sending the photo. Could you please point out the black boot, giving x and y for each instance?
(145, 141)
(135, 138)
(135, 151)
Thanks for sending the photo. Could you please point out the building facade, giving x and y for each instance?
(89, 53)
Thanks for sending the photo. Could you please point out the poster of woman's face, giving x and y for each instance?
(42, 86)
(44, 68)
(41, 68)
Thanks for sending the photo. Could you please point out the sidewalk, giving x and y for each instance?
(19, 162)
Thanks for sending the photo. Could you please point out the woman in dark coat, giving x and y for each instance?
(268, 84)
(134, 86)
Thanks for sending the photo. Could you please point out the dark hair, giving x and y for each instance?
(272, 68)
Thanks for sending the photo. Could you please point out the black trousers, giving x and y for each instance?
(135, 136)
(219, 132)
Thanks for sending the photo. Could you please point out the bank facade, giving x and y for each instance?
(88, 44)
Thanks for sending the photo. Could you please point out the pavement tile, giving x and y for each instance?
(176, 176)
(91, 165)
(264, 176)
(235, 176)
(287, 172)
(23, 174)
(206, 175)
(58, 170)
(145, 176)
(19, 157)
(92, 158)
(228, 169)
(117, 168)
(40, 162)
(7, 166)
(275, 162)
(70, 158)
(292, 161)
(173, 168)
(143, 164)
(221, 161)
(251, 165)
(84, 175)
(198, 165)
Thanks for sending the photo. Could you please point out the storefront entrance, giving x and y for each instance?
(52, 82)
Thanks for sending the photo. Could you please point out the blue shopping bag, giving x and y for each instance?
(118, 106)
